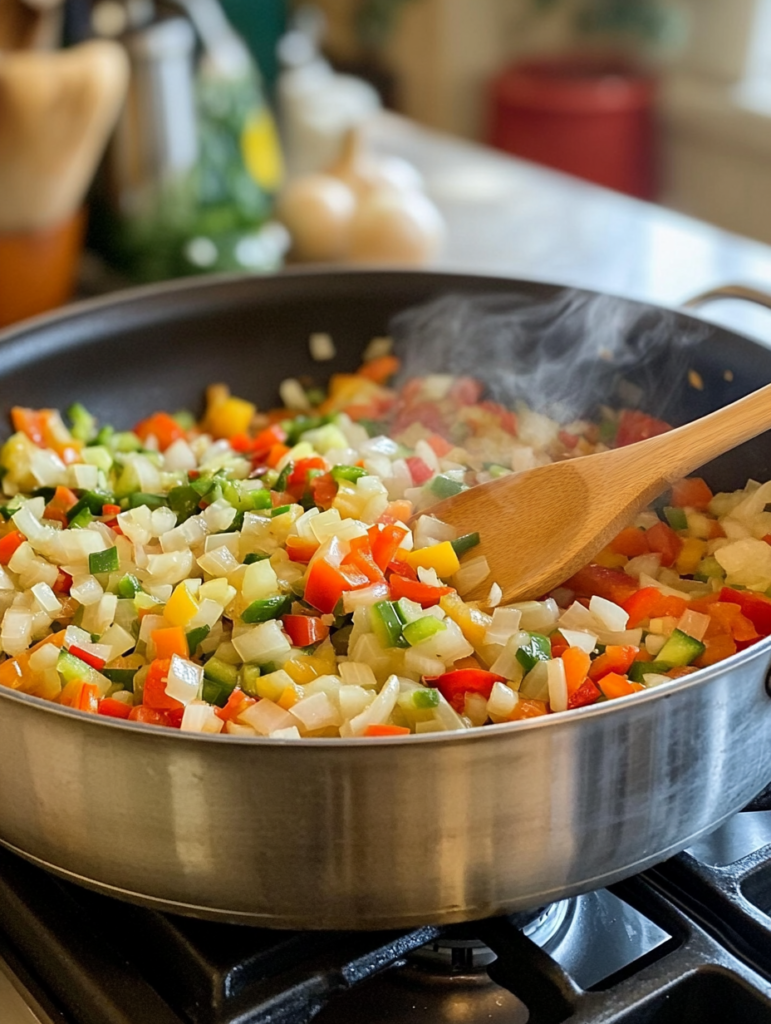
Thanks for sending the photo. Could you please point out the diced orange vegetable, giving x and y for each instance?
(162, 427)
(88, 699)
(728, 618)
(577, 663)
(614, 685)
(300, 550)
(716, 648)
(440, 445)
(9, 544)
(397, 511)
(528, 709)
(630, 542)
(232, 416)
(649, 603)
(616, 659)
(276, 454)
(379, 370)
(691, 493)
(170, 640)
(386, 730)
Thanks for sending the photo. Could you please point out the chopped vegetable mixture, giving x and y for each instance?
(254, 573)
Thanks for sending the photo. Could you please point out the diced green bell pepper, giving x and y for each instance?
(538, 648)
(103, 561)
(676, 518)
(421, 629)
(445, 487)
(267, 608)
(463, 544)
(348, 473)
(387, 624)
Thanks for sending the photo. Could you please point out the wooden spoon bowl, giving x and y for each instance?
(539, 527)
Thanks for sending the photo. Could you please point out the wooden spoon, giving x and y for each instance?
(539, 527)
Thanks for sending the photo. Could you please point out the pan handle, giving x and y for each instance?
(730, 291)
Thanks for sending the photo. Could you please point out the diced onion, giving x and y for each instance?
(200, 717)
(184, 680)
(471, 574)
(557, 682)
(608, 614)
(578, 638)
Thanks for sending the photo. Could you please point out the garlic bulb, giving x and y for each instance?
(395, 226)
(317, 210)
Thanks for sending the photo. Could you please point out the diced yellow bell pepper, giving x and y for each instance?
(289, 697)
(304, 668)
(473, 622)
(610, 559)
(233, 416)
(440, 557)
(273, 684)
(181, 607)
(691, 553)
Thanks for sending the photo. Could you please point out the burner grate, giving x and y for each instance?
(103, 962)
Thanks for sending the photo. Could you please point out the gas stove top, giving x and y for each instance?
(686, 943)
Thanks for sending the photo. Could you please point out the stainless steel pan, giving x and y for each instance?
(353, 834)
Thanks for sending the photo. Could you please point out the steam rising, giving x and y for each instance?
(564, 353)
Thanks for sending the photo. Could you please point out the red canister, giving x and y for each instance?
(589, 117)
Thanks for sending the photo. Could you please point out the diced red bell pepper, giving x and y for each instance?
(637, 426)
(304, 630)
(612, 584)
(9, 544)
(419, 470)
(692, 493)
(616, 659)
(324, 490)
(172, 719)
(506, 418)
(88, 657)
(454, 686)
(154, 694)
(237, 703)
(62, 583)
(586, 694)
(113, 708)
(361, 558)
(756, 607)
(264, 441)
(110, 510)
(385, 542)
(569, 440)
(664, 541)
(327, 583)
(650, 603)
(298, 478)
(465, 391)
(423, 594)
(162, 427)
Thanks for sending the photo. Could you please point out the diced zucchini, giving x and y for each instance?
(680, 649)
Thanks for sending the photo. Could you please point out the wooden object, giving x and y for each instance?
(539, 527)
(56, 113)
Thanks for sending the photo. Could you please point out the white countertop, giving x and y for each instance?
(509, 217)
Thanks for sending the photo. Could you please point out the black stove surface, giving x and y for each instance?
(686, 943)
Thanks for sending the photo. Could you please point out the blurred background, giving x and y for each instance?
(142, 140)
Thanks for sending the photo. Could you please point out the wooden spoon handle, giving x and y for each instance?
(686, 448)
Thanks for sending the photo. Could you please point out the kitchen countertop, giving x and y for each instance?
(507, 216)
